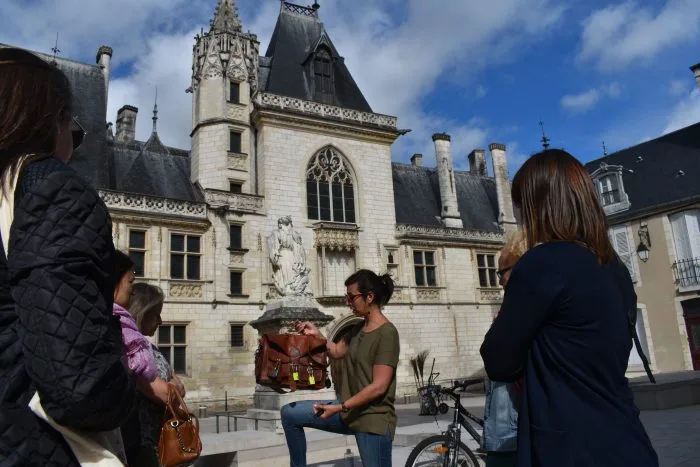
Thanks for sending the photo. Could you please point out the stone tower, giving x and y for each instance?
(224, 80)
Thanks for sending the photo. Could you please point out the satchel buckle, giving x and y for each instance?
(174, 423)
(276, 370)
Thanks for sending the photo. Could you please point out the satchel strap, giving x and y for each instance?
(174, 396)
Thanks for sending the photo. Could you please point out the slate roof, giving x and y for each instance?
(297, 33)
(417, 198)
(656, 183)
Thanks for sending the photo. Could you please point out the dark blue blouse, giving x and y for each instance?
(563, 326)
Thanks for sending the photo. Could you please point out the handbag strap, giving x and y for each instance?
(632, 329)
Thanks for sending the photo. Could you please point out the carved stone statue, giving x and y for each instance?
(288, 259)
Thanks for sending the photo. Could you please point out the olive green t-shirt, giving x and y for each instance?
(366, 349)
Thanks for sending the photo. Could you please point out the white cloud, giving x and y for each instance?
(685, 113)
(586, 100)
(616, 36)
(678, 87)
(480, 92)
(396, 59)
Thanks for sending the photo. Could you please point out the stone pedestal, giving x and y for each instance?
(279, 318)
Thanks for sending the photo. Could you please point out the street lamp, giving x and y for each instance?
(643, 252)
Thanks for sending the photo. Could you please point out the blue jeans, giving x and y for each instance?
(375, 450)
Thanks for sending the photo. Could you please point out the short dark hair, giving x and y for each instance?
(367, 281)
(122, 265)
(558, 202)
(34, 96)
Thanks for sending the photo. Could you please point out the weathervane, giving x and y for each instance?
(605, 150)
(55, 50)
(544, 140)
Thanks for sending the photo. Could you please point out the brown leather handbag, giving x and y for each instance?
(179, 436)
(292, 361)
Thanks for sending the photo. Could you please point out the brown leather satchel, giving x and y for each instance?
(179, 436)
(292, 361)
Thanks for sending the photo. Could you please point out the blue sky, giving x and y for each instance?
(613, 71)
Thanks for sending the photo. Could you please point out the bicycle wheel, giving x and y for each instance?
(434, 452)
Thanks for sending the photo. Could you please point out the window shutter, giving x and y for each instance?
(692, 221)
(681, 237)
(624, 247)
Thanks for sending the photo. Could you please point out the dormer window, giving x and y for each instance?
(323, 76)
(611, 190)
(608, 189)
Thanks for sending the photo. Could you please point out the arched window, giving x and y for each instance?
(329, 188)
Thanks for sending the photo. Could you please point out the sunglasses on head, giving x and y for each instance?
(78, 133)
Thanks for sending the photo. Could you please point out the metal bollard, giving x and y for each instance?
(202, 411)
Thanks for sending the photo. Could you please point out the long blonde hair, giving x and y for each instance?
(516, 243)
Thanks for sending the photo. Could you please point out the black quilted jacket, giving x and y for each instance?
(57, 332)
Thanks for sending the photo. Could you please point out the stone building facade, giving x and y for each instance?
(290, 134)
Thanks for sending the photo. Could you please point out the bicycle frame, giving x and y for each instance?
(454, 430)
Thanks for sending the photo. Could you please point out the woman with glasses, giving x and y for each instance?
(368, 387)
(563, 326)
(501, 405)
(60, 345)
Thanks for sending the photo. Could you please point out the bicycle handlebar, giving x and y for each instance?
(463, 385)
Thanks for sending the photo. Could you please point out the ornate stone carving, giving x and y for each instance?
(186, 290)
(489, 295)
(218, 199)
(238, 161)
(275, 101)
(237, 257)
(288, 259)
(152, 204)
(236, 112)
(427, 294)
(444, 233)
(336, 237)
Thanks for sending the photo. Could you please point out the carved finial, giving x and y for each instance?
(544, 140)
(315, 6)
(55, 50)
(226, 17)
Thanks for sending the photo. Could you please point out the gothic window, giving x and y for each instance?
(486, 264)
(425, 268)
(137, 251)
(172, 343)
(236, 282)
(185, 256)
(235, 187)
(236, 240)
(329, 188)
(323, 76)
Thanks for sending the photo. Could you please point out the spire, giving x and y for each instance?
(226, 17)
(55, 50)
(155, 112)
(544, 140)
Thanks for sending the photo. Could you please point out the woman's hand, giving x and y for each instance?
(327, 410)
(307, 328)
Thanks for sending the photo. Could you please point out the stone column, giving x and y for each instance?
(448, 191)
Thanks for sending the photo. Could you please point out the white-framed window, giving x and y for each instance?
(611, 189)
(237, 335)
(137, 251)
(185, 256)
(686, 239)
(425, 268)
(172, 343)
(329, 188)
(624, 247)
(488, 272)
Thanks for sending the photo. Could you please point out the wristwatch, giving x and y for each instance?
(345, 408)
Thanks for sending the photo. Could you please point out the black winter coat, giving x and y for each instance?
(58, 335)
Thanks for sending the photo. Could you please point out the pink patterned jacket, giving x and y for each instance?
(136, 347)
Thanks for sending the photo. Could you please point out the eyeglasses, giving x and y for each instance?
(502, 272)
(78, 133)
(350, 297)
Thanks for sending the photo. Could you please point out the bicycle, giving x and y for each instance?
(447, 449)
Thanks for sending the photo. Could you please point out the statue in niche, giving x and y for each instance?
(288, 258)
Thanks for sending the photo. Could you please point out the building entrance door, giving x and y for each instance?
(691, 313)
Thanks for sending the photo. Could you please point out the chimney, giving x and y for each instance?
(448, 191)
(126, 124)
(477, 162)
(696, 72)
(506, 216)
(417, 160)
(103, 59)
